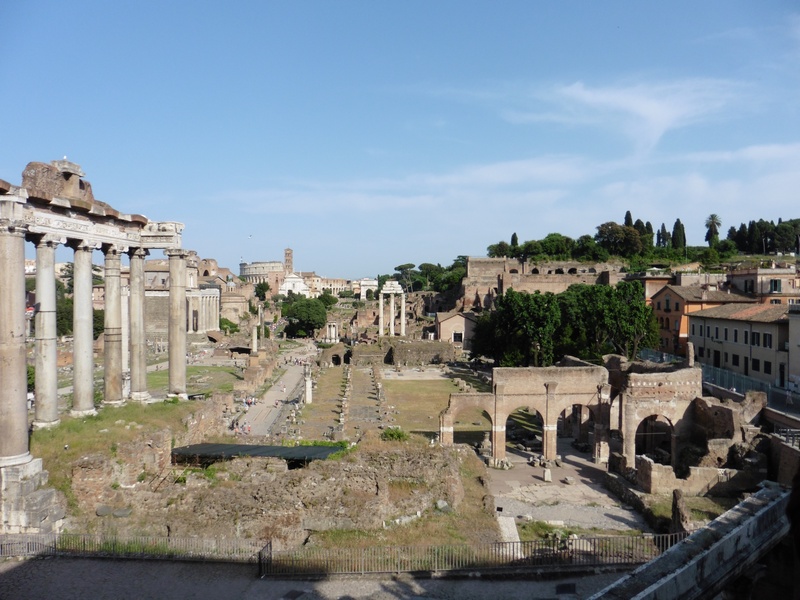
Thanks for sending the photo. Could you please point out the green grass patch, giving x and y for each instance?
(539, 530)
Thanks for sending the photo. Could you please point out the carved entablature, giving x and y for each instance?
(163, 234)
(43, 221)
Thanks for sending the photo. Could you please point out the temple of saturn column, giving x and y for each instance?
(55, 206)
(392, 288)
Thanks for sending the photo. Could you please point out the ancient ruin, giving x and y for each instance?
(55, 205)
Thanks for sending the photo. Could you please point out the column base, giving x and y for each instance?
(46, 424)
(83, 413)
(27, 505)
(114, 403)
(181, 396)
(142, 397)
(19, 459)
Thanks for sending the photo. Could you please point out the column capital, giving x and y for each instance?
(138, 252)
(46, 240)
(13, 227)
(113, 249)
(85, 245)
(176, 253)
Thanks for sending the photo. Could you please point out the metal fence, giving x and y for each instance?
(777, 397)
(136, 547)
(551, 554)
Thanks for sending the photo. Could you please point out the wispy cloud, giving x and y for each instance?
(644, 112)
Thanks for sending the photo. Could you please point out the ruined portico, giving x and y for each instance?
(392, 288)
(55, 206)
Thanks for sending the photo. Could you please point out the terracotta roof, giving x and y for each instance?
(759, 313)
(694, 293)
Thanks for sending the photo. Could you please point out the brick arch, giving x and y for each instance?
(548, 391)
(671, 428)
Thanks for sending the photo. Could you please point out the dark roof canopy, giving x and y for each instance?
(208, 453)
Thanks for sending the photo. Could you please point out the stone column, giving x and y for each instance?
(82, 332)
(309, 386)
(498, 426)
(630, 424)
(391, 314)
(177, 322)
(254, 342)
(403, 315)
(138, 343)
(380, 314)
(112, 340)
(549, 423)
(14, 389)
(46, 342)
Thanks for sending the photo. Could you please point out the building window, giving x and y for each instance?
(775, 285)
(677, 325)
(716, 333)
(658, 305)
(692, 328)
(458, 337)
(735, 336)
(767, 368)
(666, 303)
(745, 337)
(755, 339)
(756, 364)
(708, 331)
(677, 306)
(775, 301)
(700, 352)
(767, 341)
(725, 357)
(735, 360)
(725, 334)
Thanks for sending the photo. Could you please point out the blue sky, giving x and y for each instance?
(369, 134)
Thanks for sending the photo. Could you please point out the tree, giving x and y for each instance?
(261, 290)
(514, 240)
(631, 322)
(713, 223)
(498, 250)
(327, 299)
(664, 237)
(520, 331)
(678, 235)
(628, 222)
(305, 315)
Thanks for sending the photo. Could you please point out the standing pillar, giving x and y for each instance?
(112, 340)
(403, 315)
(177, 322)
(391, 314)
(549, 423)
(498, 426)
(14, 389)
(83, 332)
(309, 386)
(138, 343)
(46, 342)
(380, 314)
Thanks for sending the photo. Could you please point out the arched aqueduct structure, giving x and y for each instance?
(617, 399)
(55, 206)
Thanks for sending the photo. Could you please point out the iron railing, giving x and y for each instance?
(550, 554)
(138, 547)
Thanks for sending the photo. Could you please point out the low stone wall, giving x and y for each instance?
(655, 478)
(785, 460)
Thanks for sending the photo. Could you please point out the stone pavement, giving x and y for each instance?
(522, 492)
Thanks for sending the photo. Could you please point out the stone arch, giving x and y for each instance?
(336, 360)
(655, 438)
(525, 425)
(534, 271)
(514, 271)
(573, 271)
(458, 404)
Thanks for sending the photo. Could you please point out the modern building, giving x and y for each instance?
(769, 283)
(673, 304)
(752, 340)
